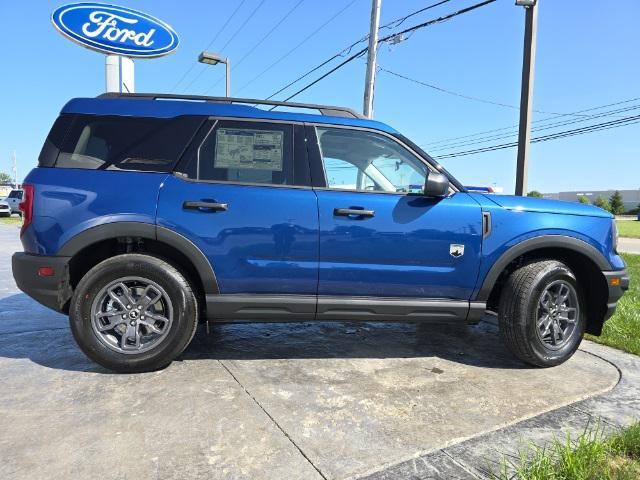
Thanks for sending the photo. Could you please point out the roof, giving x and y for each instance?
(168, 106)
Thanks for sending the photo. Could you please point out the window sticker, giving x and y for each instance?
(249, 149)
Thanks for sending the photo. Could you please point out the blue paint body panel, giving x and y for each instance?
(69, 201)
(266, 242)
(403, 251)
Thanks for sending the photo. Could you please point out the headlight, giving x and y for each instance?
(614, 232)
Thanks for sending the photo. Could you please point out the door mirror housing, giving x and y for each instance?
(436, 185)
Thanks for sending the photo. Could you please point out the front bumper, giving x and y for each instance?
(618, 282)
(51, 291)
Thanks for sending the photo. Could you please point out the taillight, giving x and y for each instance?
(26, 207)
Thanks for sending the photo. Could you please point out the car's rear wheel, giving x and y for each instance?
(540, 313)
(133, 313)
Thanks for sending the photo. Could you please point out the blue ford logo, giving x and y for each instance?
(115, 30)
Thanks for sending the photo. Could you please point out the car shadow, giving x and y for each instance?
(30, 331)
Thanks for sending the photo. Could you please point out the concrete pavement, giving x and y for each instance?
(299, 401)
(629, 245)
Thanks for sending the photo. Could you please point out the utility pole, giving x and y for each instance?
(370, 79)
(526, 93)
(15, 171)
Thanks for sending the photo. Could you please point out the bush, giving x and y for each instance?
(603, 203)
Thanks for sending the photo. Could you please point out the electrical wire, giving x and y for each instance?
(487, 139)
(193, 65)
(345, 51)
(258, 43)
(234, 35)
(441, 19)
(542, 120)
(302, 42)
(545, 138)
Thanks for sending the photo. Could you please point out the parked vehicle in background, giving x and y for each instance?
(13, 199)
(146, 216)
(5, 209)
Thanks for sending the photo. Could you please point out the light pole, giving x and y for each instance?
(526, 93)
(213, 59)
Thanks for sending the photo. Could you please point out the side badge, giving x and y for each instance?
(456, 250)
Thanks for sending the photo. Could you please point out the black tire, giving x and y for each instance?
(518, 313)
(179, 292)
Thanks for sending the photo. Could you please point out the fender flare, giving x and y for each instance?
(107, 231)
(545, 241)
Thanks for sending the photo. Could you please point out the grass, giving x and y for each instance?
(589, 457)
(622, 331)
(12, 220)
(628, 228)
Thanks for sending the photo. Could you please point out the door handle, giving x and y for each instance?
(205, 206)
(348, 212)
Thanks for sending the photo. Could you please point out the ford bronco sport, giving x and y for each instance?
(149, 213)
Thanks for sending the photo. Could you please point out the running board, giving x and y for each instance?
(283, 308)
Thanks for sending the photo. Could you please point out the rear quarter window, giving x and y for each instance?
(122, 143)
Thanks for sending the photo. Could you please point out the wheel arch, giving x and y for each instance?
(583, 259)
(98, 243)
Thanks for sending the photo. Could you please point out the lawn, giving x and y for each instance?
(629, 228)
(589, 457)
(13, 220)
(623, 329)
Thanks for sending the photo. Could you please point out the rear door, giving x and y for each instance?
(243, 197)
(379, 237)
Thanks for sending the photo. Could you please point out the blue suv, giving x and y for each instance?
(149, 213)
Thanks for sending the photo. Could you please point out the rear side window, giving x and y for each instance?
(124, 143)
(247, 152)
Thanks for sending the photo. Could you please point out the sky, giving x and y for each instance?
(587, 56)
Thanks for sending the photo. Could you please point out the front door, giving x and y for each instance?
(244, 200)
(378, 236)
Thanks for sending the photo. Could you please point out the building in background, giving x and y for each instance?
(5, 189)
(630, 198)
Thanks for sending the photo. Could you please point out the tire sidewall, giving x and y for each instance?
(548, 356)
(134, 265)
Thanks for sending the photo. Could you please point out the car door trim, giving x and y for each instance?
(277, 308)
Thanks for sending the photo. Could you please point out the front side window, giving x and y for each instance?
(366, 161)
(247, 152)
(15, 194)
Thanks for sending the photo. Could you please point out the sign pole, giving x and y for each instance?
(119, 74)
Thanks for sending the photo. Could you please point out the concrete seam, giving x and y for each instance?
(460, 464)
(273, 420)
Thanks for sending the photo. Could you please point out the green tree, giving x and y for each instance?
(584, 199)
(617, 207)
(5, 178)
(603, 203)
(535, 194)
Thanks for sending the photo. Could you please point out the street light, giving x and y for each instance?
(213, 59)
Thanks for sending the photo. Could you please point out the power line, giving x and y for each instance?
(302, 42)
(441, 19)
(553, 136)
(239, 29)
(480, 140)
(258, 43)
(193, 65)
(345, 51)
(542, 120)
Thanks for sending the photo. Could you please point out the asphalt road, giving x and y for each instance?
(629, 245)
(253, 401)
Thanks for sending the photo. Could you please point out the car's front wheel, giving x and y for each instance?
(133, 313)
(540, 313)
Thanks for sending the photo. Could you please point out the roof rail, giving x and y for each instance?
(323, 109)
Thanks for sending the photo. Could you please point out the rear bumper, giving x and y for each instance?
(52, 291)
(618, 282)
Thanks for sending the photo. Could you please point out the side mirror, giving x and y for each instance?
(436, 185)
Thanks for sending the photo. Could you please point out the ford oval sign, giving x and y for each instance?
(115, 30)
